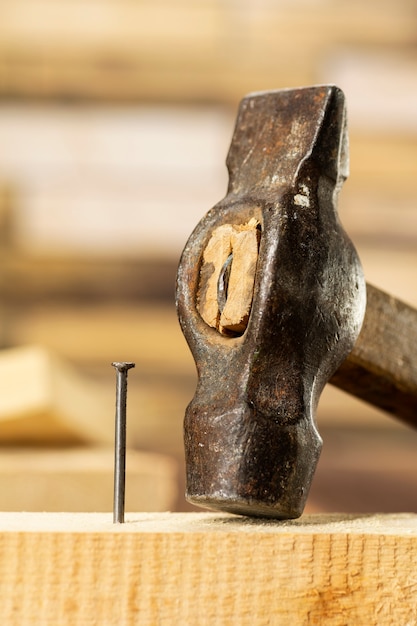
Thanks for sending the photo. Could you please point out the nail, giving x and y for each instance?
(120, 442)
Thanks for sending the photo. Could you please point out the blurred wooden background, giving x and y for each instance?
(115, 121)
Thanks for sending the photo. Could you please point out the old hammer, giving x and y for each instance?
(271, 299)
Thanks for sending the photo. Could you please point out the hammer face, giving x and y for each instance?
(250, 436)
(244, 463)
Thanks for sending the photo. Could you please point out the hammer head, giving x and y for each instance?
(271, 298)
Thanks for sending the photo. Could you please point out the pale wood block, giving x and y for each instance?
(81, 479)
(208, 569)
(45, 400)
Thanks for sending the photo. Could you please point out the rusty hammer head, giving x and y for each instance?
(271, 298)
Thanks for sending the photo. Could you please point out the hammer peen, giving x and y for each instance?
(271, 299)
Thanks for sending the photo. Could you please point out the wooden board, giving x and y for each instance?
(200, 51)
(81, 479)
(44, 400)
(205, 569)
(117, 157)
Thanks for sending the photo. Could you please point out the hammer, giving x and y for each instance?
(271, 299)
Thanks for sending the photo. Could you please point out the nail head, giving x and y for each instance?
(123, 366)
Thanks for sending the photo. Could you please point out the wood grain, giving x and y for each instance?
(240, 241)
(235, 314)
(215, 255)
(208, 569)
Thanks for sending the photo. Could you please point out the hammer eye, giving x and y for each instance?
(227, 277)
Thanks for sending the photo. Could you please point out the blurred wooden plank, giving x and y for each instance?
(366, 469)
(92, 334)
(103, 331)
(43, 399)
(194, 51)
(81, 479)
(98, 180)
(46, 400)
(49, 278)
(208, 568)
(116, 159)
(383, 160)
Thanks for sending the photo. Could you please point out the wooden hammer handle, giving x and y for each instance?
(382, 367)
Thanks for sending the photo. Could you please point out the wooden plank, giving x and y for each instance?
(384, 160)
(382, 367)
(208, 569)
(44, 145)
(207, 50)
(44, 400)
(81, 479)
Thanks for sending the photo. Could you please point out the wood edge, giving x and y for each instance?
(167, 522)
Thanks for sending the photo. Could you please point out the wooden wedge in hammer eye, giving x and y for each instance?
(227, 277)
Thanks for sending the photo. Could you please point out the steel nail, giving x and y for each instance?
(120, 441)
